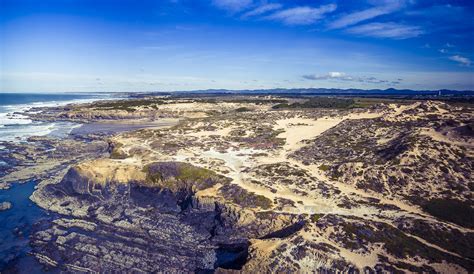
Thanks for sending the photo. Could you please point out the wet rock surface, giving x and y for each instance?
(42, 157)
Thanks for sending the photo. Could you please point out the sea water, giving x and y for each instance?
(16, 126)
(15, 228)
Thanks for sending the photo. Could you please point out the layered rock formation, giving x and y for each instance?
(119, 217)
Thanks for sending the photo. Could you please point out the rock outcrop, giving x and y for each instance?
(114, 216)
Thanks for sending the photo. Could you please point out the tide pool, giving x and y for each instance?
(15, 228)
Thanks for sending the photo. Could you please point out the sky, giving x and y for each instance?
(166, 45)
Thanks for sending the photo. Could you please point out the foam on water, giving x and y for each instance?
(21, 132)
(15, 126)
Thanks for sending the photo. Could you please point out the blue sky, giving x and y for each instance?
(161, 45)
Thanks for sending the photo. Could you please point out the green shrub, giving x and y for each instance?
(316, 217)
(324, 167)
(242, 109)
(191, 173)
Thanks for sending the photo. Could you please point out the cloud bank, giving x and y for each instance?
(382, 8)
(464, 61)
(301, 15)
(386, 30)
(341, 76)
(232, 5)
(262, 10)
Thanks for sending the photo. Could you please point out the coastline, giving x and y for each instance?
(48, 156)
(118, 126)
(17, 111)
(222, 185)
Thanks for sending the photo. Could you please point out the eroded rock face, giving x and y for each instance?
(121, 226)
(152, 222)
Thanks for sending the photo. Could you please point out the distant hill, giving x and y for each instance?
(318, 91)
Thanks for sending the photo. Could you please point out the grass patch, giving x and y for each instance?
(176, 176)
(191, 173)
(244, 198)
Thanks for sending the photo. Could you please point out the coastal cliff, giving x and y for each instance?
(151, 219)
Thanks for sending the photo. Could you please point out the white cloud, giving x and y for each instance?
(341, 76)
(382, 8)
(233, 5)
(336, 74)
(331, 75)
(301, 15)
(464, 61)
(387, 30)
(262, 9)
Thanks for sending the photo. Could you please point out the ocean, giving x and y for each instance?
(16, 127)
